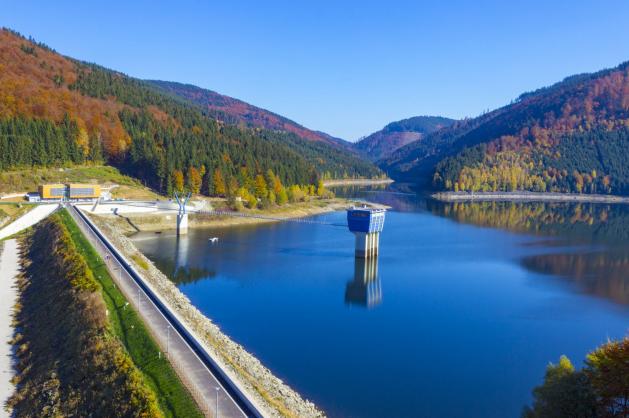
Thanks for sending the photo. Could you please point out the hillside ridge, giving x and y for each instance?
(395, 135)
(235, 111)
(567, 137)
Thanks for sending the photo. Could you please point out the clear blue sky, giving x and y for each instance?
(344, 67)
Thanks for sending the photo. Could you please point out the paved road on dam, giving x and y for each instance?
(209, 387)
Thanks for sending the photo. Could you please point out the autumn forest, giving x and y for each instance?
(57, 111)
(569, 137)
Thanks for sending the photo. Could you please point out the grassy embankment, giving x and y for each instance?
(26, 180)
(173, 398)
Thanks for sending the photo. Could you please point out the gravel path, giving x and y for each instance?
(8, 296)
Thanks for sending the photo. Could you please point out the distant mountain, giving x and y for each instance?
(237, 112)
(58, 111)
(572, 136)
(382, 143)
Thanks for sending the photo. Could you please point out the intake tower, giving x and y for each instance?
(366, 224)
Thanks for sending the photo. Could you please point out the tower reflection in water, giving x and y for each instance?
(181, 254)
(365, 289)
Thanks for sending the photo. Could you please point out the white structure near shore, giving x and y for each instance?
(9, 268)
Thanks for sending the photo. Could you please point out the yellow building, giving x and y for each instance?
(83, 191)
(52, 191)
(69, 191)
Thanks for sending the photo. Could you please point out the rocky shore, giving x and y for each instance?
(129, 223)
(528, 197)
(278, 398)
(356, 182)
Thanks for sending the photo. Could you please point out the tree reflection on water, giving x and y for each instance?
(602, 271)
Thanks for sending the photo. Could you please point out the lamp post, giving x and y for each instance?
(217, 390)
(168, 340)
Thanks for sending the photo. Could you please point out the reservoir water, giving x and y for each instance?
(459, 317)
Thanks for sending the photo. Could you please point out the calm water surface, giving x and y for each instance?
(464, 308)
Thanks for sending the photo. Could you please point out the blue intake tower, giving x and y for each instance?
(366, 224)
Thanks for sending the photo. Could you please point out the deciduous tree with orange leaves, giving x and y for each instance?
(178, 181)
(194, 180)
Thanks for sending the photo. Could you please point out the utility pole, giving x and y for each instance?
(217, 389)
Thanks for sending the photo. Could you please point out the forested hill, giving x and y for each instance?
(570, 137)
(332, 157)
(395, 135)
(237, 112)
(56, 111)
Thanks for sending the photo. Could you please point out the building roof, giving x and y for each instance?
(71, 185)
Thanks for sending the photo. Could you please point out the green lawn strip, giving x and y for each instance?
(174, 399)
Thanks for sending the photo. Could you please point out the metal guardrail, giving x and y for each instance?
(243, 402)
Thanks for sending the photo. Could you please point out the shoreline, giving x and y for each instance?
(9, 270)
(279, 399)
(130, 223)
(528, 197)
(356, 182)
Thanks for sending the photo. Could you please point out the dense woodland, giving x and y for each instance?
(583, 162)
(569, 137)
(57, 111)
(40, 142)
